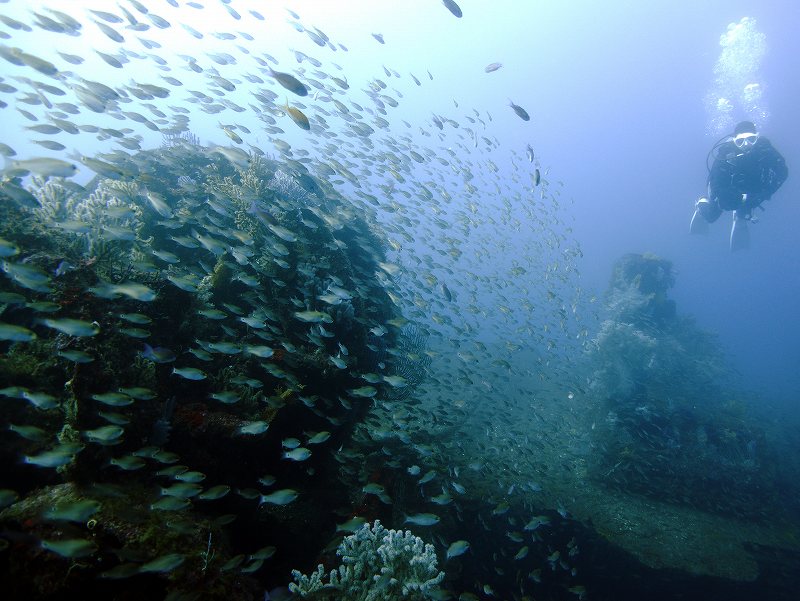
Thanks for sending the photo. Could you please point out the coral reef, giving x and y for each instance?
(190, 313)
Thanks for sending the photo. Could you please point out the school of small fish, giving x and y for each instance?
(471, 239)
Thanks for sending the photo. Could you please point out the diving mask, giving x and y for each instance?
(745, 139)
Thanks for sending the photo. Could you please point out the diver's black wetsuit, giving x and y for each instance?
(757, 170)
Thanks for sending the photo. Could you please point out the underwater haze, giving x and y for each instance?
(371, 300)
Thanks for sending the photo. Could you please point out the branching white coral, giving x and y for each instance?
(377, 564)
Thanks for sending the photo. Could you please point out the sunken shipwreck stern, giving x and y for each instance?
(670, 425)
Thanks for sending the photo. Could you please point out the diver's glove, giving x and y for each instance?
(749, 204)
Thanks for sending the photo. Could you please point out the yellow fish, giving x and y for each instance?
(297, 116)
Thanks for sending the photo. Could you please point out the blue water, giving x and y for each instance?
(629, 132)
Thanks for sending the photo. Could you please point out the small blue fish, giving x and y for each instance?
(29, 432)
(43, 306)
(189, 373)
(229, 397)
(40, 400)
(298, 454)
(128, 462)
(77, 511)
(104, 435)
(76, 356)
(70, 548)
(254, 428)
(457, 548)
(15, 333)
(216, 492)
(73, 327)
(319, 438)
(422, 519)
(171, 504)
(53, 458)
(158, 354)
(165, 563)
(184, 490)
(113, 399)
(8, 249)
(279, 497)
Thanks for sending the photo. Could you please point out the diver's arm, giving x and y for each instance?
(776, 175)
(773, 171)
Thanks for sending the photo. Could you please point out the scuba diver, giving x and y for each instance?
(747, 170)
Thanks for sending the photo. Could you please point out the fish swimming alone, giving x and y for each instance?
(453, 8)
(521, 112)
